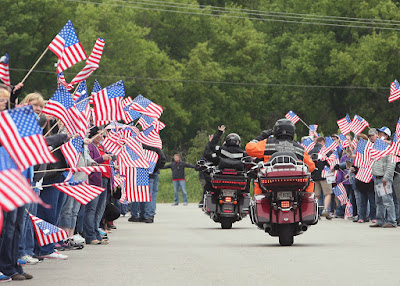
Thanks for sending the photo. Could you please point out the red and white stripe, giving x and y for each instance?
(394, 91)
(150, 155)
(135, 192)
(57, 46)
(364, 174)
(25, 151)
(92, 63)
(44, 239)
(125, 160)
(70, 153)
(61, 81)
(5, 74)
(71, 118)
(363, 160)
(357, 126)
(82, 192)
(118, 181)
(15, 190)
(354, 143)
(343, 197)
(113, 142)
(344, 126)
(153, 139)
(88, 170)
(107, 110)
(347, 211)
(71, 55)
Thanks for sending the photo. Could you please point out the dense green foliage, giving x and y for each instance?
(210, 70)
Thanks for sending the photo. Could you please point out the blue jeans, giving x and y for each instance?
(55, 198)
(352, 197)
(101, 206)
(11, 231)
(69, 213)
(139, 210)
(150, 207)
(182, 185)
(26, 244)
(81, 218)
(385, 210)
(90, 231)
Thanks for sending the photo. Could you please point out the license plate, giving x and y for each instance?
(284, 195)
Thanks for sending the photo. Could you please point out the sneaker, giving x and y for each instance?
(148, 220)
(77, 238)
(4, 278)
(375, 225)
(30, 260)
(18, 277)
(327, 215)
(59, 247)
(102, 233)
(175, 205)
(360, 221)
(133, 219)
(388, 225)
(38, 257)
(374, 221)
(55, 255)
(27, 276)
(112, 226)
(185, 204)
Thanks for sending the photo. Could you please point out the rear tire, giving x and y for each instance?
(286, 232)
(226, 223)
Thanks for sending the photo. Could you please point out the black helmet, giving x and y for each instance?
(233, 139)
(284, 129)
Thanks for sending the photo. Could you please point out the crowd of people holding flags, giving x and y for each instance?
(362, 172)
(67, 164)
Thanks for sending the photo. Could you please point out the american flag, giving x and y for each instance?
(61, 105)
(96, 87)
(308, 144)
(131, 115)
(333, 159)
(292, 117)
(325, 171)
(137, 185)
(92, 63)
(80, 91)
(113, 142)
(15, 190)
(118, 180)
(330, 145)
(358, 124)
(72, 151)
(108, 104)
(344, 124)
(146, 121)
(152, 158)
(379, 149)
(340, 192)
(5, 70)
(47, 233)
(61, 81)
(313, 130)
(394, 159)
(150, 137)
(362, 158)
(364, 174)
(348, 211)
(135, 145)
(344, 141)
(82, 104)
(23, 138)
(394, 91)
(354, 143)
(86, 170)
(80, 191)
(58, 43)
(122, 200)
(146, 106)
(71, 49)
(128, 158)
(396, 135)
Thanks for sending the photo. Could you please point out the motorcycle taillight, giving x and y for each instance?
(285, 204)
(228, 199)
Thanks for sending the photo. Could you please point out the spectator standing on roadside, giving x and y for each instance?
(178, 178)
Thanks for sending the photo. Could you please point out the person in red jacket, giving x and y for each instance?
(264, 147)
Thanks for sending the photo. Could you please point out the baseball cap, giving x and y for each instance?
(372, 131)
(385, 130)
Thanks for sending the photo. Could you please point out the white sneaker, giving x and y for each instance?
(55, 255)
(30, 260)
(77, 238)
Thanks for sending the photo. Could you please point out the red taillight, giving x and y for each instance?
(221, 201)
(285, 204)
(228, 199)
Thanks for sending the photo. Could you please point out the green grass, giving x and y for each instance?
(166, 189)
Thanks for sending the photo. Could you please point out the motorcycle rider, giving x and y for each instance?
(264, 146)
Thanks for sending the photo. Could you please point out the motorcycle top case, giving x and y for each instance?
(229, 180)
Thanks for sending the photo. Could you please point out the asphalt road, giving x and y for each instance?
(185, 247)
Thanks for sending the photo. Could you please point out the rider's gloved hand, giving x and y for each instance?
(336, 167)
(264, 135)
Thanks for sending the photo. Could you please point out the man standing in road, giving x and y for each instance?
(178, 178)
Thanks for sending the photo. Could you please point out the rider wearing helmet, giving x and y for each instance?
(228, 155)
(264, 147)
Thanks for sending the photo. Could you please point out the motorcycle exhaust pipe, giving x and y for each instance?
(303, 227)
(267, 227)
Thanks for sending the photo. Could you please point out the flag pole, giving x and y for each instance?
(304, 123)
(33, 67)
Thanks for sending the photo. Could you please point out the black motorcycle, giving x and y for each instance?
(227, 199)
